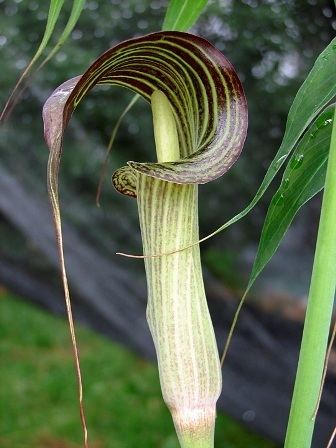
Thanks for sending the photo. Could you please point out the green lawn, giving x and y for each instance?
(38, 402)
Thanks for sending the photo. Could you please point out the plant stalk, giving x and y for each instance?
(318, 316)
(177, 311)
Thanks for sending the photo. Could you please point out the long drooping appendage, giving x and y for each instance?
(177, 310)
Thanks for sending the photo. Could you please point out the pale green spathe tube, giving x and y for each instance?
(177, 311)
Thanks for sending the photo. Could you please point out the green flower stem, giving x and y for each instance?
(318, 316)
(165, 132)
(177, 311)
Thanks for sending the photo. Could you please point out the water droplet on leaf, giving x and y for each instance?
(285, 183)
(279, 199)
(297, 161)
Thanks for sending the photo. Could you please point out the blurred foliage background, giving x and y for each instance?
(272, 44)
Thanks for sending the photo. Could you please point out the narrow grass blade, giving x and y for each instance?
(316, 92)
(77, 7)
(182, 14)
(303, 178)
(54, 11)
(318, 316)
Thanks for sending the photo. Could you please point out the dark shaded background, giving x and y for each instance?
(273, 44)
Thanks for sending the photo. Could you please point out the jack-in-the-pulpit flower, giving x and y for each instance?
(200, 123)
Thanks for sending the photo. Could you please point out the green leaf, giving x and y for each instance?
(303, 178)
(54, 11)
(182, 14)
(53, 15)
(77, 7)
(316, 92)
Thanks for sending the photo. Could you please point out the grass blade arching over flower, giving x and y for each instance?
(203, 104)
(302, 179)
(316, 92)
